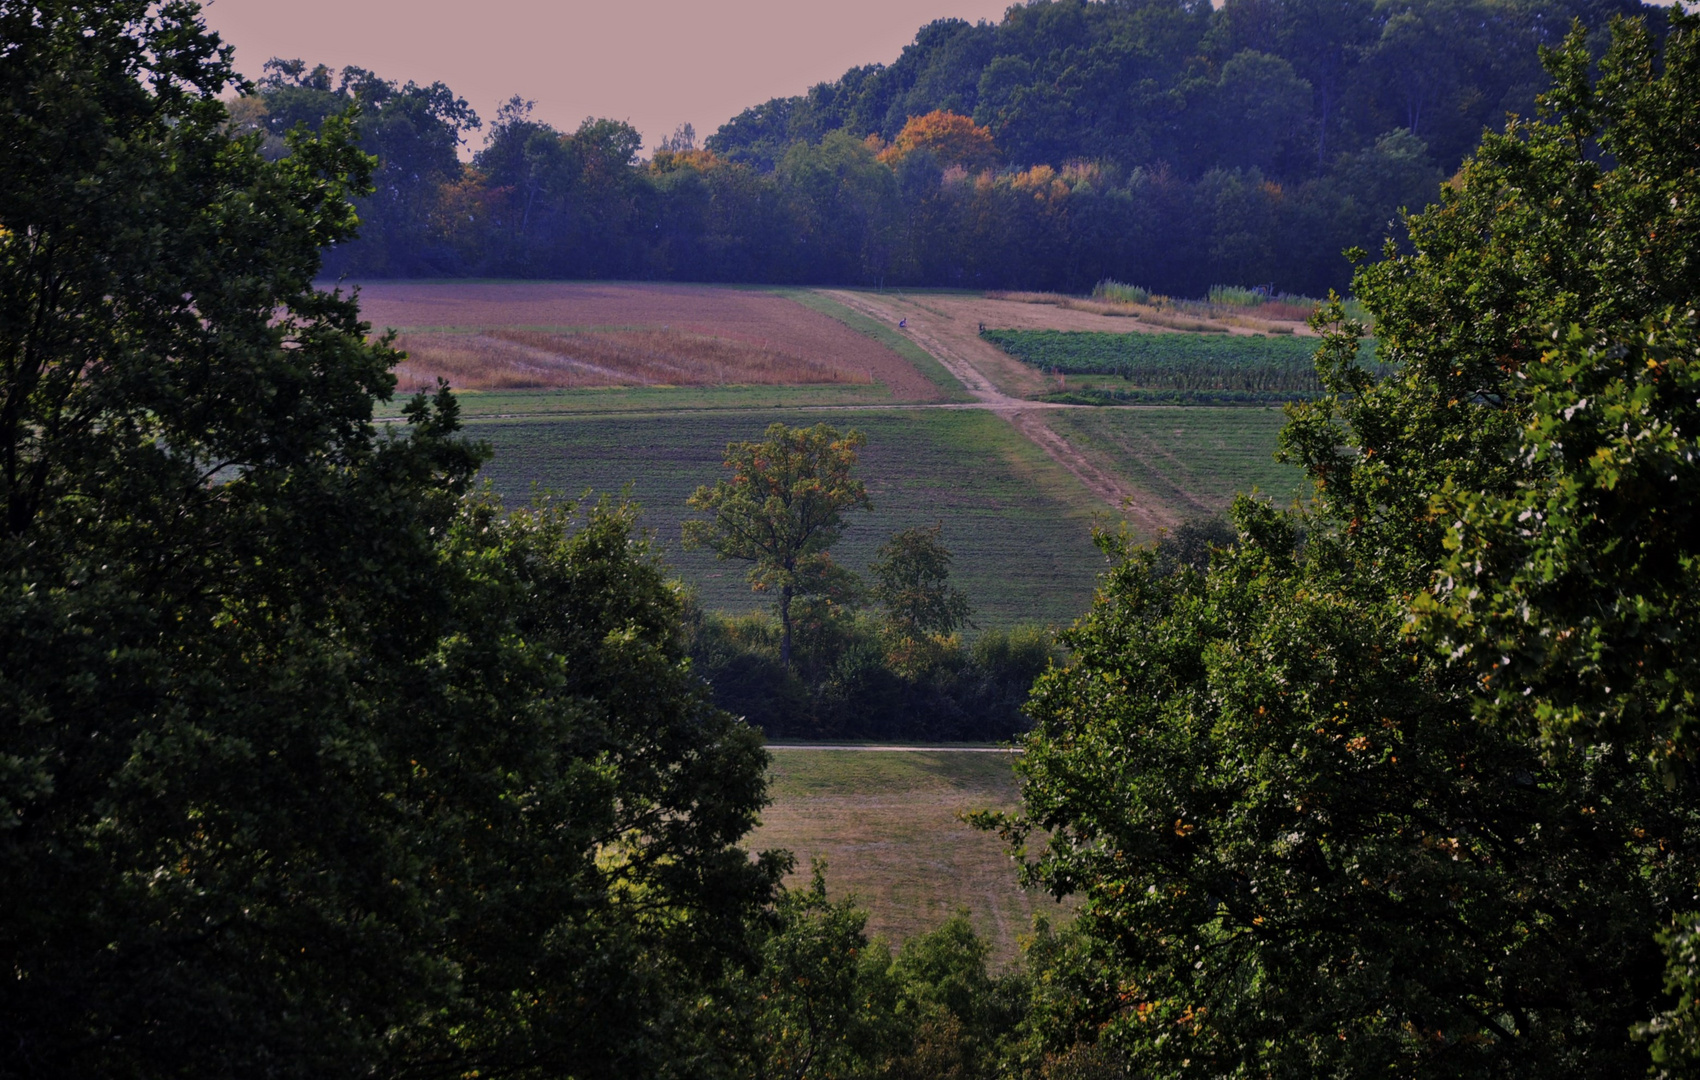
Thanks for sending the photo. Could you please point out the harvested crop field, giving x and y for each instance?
(536, 359)
(507, 335)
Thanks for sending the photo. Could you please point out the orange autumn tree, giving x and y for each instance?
(952, 138)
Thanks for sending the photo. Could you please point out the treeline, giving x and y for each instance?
(854, 677)
(1166, 143)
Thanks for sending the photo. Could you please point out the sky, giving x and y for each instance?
(654, 64)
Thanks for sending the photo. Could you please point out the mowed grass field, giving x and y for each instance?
(1190, 459)
(887, 823)
(1020, 526)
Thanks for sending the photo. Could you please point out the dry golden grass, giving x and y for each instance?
(764, 333)
(1073, 303)
(508, 359)
(1272, 317)
(1178, 322)
(888, 824)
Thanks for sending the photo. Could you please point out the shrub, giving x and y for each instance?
(1237, 295)
(1118, 293)
(854, 678)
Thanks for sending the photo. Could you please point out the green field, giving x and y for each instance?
(1193, 459)
(887, 824)
(1020, 526)
(1172, 368)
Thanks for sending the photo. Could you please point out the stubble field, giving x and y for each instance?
(507, 335)
(1188, 461)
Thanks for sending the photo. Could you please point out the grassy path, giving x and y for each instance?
(973, 364)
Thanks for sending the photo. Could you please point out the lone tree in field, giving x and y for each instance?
(780, 511)
(912, 583)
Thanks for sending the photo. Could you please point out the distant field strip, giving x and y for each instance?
(608, 400)
(507, 335)
(1191, 461)
(1019, 526)
(924, 362)
(506, 359)
(1174, 368)
(888, 824)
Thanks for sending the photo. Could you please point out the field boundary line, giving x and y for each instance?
(932, 367)
(861, 747)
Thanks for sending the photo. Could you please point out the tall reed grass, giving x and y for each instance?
(1285, 307)
(1237, 296)
(1117, 292)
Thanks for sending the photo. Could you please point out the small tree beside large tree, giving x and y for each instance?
(780, 510)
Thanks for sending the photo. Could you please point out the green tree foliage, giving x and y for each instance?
(825, 1003)
(543, 196)
(1307, 841)
(780, 510)
(912, 583)
(1568, 582)
(413, 131)
(1125, 83)
(1305, 853)
(1573, 595)
(848, 681)
(310, 763)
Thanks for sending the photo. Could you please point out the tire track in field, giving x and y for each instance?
(985, 394)
(1103, 483)
(1023, 415)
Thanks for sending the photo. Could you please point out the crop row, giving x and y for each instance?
(1261, 368)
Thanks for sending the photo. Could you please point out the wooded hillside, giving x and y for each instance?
(1164, 143)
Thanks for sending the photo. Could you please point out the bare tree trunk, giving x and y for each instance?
(785, 626)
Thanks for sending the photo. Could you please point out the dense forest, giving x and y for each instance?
(1162, 142)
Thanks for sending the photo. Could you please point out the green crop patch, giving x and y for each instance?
(1171, 369)
(1019, 526)
(1192, 460)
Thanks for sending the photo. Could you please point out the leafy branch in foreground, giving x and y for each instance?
(1384, 786)
(312, 763)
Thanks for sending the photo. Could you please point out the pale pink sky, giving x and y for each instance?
(656, 64)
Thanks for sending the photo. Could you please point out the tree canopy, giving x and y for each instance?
(1384, 785)
(313, 761)
(1170, 144)
(780, 510)
(912, 583)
